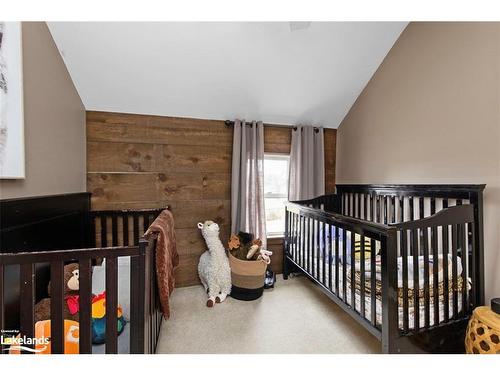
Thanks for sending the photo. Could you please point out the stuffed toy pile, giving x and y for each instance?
(71, 309)
(242, 246)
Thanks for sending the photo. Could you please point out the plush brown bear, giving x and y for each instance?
(71, 304)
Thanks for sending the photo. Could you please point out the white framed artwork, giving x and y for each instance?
(11, 102)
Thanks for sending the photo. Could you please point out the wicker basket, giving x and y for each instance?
(247, 277)
(483, 332)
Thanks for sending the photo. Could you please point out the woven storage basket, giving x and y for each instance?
(247, 277)
(483, 332)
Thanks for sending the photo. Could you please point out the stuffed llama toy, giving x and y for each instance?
(213, 268)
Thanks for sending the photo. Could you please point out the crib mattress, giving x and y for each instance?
(411, 309)
(433, 320)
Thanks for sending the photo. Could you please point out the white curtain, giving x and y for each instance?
(247, 180)
(307, 163)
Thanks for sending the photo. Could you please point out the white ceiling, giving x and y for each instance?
(256, 71)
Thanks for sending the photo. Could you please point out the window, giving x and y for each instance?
(275, 192)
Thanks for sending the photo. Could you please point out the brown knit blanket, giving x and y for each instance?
(167, 257)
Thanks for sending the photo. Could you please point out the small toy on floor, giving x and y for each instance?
(213, 267)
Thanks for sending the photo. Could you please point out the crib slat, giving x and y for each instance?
(317, 248)
(307, 258)
(136, 228)
(420, 208)
(384, 208)
(393, 207)
(137, 308)
(446, 282)
(297, 239)
(425, 241)
(373, 284)
(306, 240)
(464, 257)
(404, 256)
(114, 229)
(92, 235)
(412, 211)
(85, 281)
(435, 273)
(353, 273)
(56, 307)
(326, 256)
(330, 259)
(365, 214)
(433, 205)
(401, 209)
(473, 274)
(125, 229)
(373, 215)
(310, 249)
(337, 260)
(454, 260)
(377, 208)
(416, 281)
(145, 223)
(320, 251)
(111, 304)
(294, 236)
(362, 269)
(104, 231)
(27, 299)
(2, 309)
(344, 268)
(152, 302)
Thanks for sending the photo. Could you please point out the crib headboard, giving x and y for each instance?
(397, 203)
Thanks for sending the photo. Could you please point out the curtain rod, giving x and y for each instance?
(229, 123)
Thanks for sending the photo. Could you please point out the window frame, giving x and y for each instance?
(276, 156)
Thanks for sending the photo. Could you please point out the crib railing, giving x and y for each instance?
(448, 235)
(317, 243)
(396, 203)
(338, 253)
(119, 228)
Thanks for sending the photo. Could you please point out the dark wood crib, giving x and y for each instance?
(373, 249)
(40, 235)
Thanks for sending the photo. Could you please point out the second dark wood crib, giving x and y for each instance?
(373, 249)
(40, 235)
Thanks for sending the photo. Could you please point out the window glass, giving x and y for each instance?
(275, 192)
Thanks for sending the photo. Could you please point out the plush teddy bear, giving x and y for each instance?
(71, 304)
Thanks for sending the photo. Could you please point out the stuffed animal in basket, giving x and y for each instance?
(213, 268)
(71, 289)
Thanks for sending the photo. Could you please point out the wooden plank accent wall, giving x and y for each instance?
(139, 161)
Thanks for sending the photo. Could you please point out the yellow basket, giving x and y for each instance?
(483, 332)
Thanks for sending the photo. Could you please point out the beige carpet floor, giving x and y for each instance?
(295, 317)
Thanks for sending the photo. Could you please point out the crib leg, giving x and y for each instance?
(286, 270)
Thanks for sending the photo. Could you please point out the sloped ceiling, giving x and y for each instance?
(271, 71)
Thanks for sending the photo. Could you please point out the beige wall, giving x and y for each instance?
(431, 114)
(54, 121)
